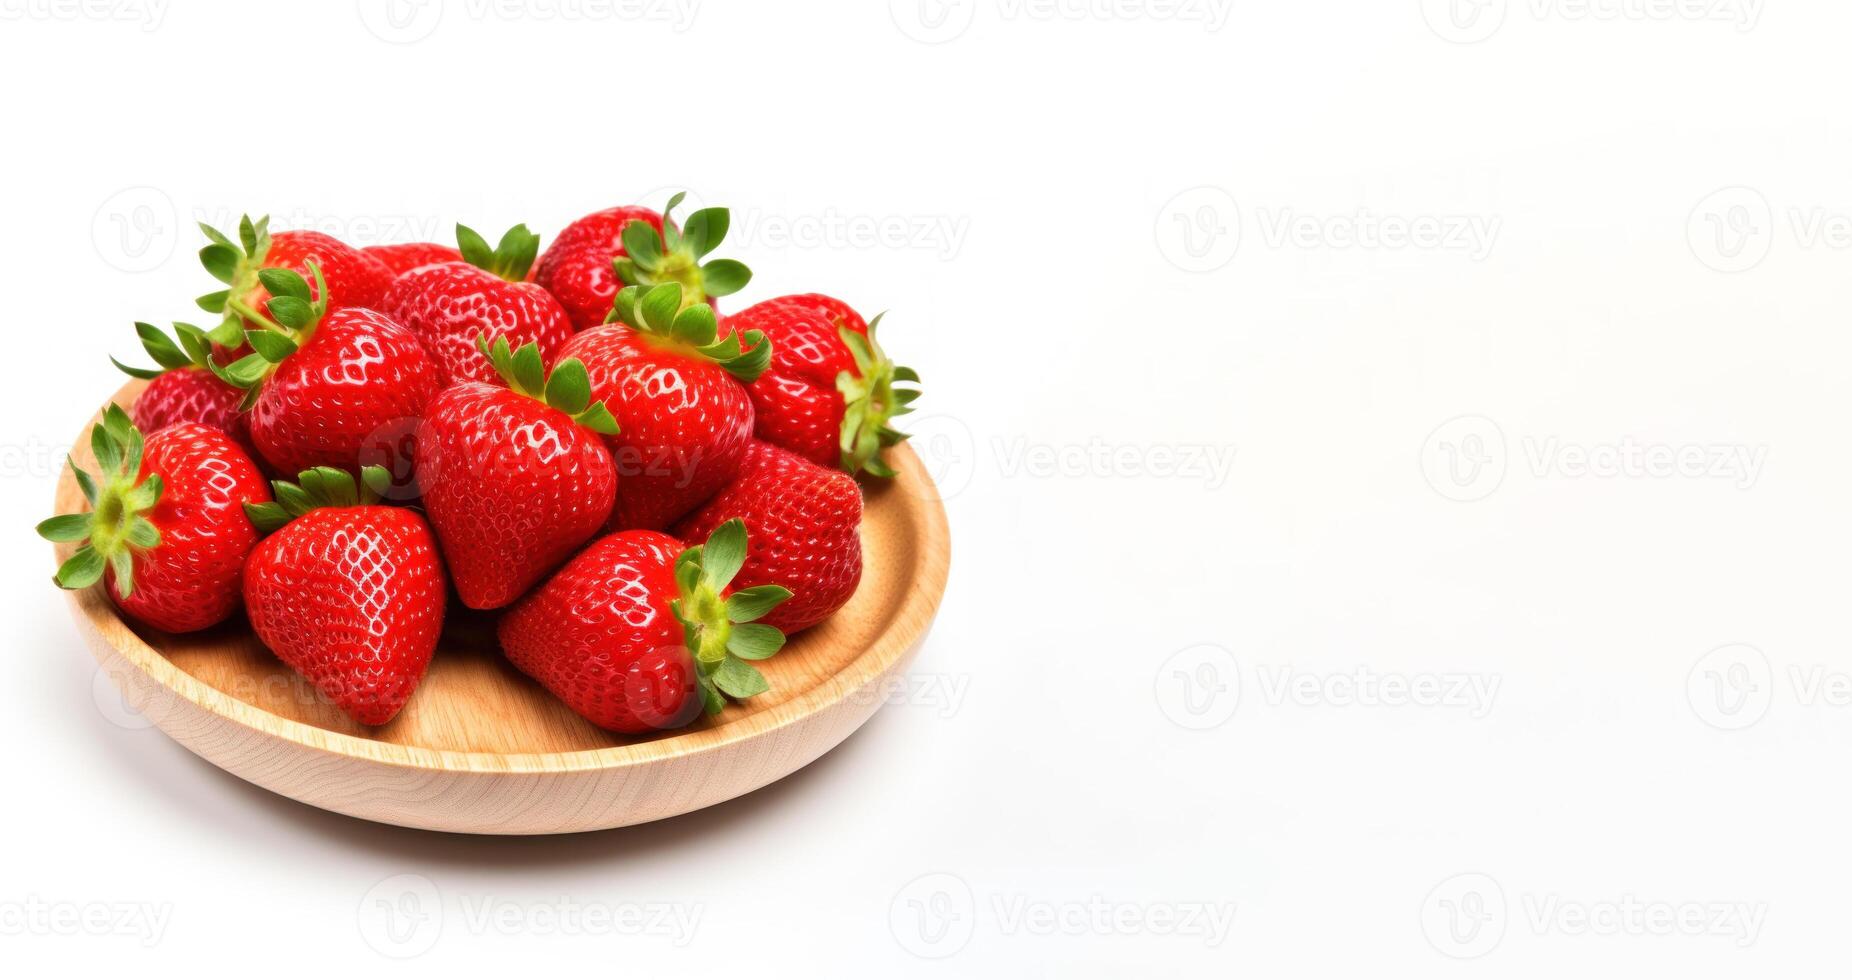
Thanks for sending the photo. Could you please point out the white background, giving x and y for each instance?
(1456, 289)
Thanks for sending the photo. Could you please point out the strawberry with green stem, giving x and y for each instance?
(166, 530)
(677, 392)
(515, 478)
(599, 254)
(348, 592)
(640, 633)
(186, 387)
(320, 383)
(449, 306)
(349, 277)
(830, 390)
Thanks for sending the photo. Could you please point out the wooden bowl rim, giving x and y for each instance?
(907, 625)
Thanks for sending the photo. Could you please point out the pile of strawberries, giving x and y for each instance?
(651, 495)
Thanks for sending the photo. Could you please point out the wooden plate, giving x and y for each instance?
(482, 749)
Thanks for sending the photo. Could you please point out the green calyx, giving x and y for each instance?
(870, 398)
(188, 347)
(323, 486)
(658, 314)
(115, 528)
(510, 259)
(294, 314)
(720, 631)
(567, 388)
(237, 263)
(676, 255)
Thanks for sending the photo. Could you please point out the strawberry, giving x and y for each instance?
(184, 387)
(684, 420)
(400, 259)
(600, 253)
(451, 305)
(350, 276)
(803, 519)
(347, 592)
(638, 632)
(515, 479)
(830, 390)
(166, 528)
(320, 385)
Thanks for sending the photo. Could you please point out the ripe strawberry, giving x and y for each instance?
(803, 519)
(347, 592)
(351, 276)
(601, 253)
(166, 528)
(829, 392)
(184, 388)
(684, 421)
(452, 305)
(515, 479)
(321, 384)
(639, 632)
(400, 259)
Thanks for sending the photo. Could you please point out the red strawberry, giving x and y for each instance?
(184, 388)
(638, 632)
(600, 253)
(829, 392)
(515, 479)
(400, 259)
(166, 528)
(452, 305)
(803, 519)
(321, 385)
(347, 592)
(683, 418)
(351, 276)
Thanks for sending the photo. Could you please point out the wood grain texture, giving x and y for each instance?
(482, 749)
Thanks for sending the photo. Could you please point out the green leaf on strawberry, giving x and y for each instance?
(116, 526)
(870, 398)
(510, 259)
(323, 486)
(568, 388)
(676, 255)
(658, 313)
(721, 632)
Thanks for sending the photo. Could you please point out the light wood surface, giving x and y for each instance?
(482, 749)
